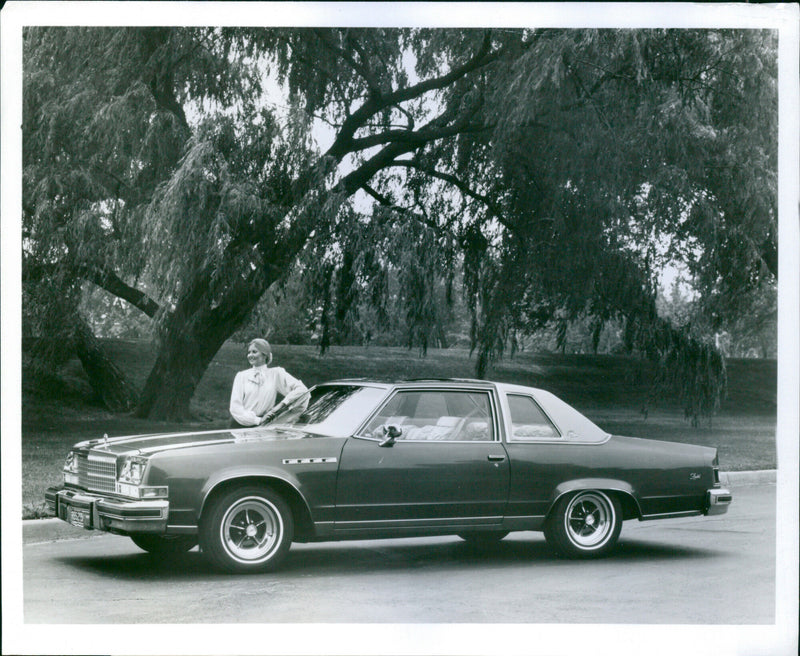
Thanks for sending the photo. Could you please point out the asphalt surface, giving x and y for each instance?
(679, 571)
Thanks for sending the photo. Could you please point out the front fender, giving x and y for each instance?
(606, 484)
(246, 472)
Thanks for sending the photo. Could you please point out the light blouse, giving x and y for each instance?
(255, 390)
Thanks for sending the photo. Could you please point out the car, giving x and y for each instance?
(361, 459)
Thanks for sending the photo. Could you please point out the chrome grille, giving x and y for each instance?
(97, 472)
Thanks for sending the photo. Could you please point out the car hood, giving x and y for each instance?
(157, 442)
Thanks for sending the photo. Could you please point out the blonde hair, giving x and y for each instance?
(263, 346)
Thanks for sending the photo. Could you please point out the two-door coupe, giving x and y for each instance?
(362, 459)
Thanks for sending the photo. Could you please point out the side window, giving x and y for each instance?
(528, 422)
(436, 415)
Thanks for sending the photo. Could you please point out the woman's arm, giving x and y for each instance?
(290, 387)
(238, 411)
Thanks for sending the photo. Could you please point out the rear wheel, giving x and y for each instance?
(165, 544)
(248, 529)
(585, 524)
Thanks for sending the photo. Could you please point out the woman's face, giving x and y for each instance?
(255, 357)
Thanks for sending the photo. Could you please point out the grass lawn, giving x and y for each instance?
(610, 390)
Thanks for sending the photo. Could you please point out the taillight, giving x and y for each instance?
(715, 467)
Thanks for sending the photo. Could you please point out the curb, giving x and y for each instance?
(52, 529)
(742, 478)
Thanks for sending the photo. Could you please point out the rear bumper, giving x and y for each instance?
(717, 501)
(96, 512)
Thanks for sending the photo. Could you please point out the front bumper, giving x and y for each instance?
(717, 501)
(102, 513)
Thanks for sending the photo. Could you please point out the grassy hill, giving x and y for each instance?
(611, 390)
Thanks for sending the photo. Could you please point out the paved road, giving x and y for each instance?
(666, 572)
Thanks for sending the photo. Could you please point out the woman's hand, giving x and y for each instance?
(271, 414)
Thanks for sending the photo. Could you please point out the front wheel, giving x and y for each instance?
(164, 545)
(585, 524)
(249, 529)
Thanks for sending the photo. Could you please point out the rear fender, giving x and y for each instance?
(625, 493)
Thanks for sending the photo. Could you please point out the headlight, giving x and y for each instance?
(71, 469)
(132, 470)
(71, 463)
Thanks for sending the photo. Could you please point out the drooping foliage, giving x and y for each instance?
(610, 155)
(178, 168)
(103, 124)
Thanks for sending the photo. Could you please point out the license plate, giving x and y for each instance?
(78, 517)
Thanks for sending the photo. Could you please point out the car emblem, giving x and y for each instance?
(694, 476)
(105, 440)
(308, 461)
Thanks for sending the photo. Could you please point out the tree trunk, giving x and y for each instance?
(107, 380)
(174, 377)
(195, 331)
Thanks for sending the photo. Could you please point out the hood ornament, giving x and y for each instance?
(105, 440)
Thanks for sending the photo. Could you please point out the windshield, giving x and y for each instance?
(333, 410)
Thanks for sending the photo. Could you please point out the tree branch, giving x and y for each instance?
(112, 283)
(360, 69)
(101, 276)
(343, 144)
(385, 201)
(456, 182)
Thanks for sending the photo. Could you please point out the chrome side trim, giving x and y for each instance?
(156, 514)
(182, 529)
(399, 441)
(555, 441)
(435, 522)
(681, 513)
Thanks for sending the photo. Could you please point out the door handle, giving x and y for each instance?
(493, 458)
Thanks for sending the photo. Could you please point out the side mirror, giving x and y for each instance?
(390, 434)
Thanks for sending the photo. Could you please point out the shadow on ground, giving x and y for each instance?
(331, 559)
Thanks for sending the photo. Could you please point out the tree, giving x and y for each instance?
(615, 142)
(102, 128)
(479, 146)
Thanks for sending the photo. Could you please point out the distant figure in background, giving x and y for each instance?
(256, 389)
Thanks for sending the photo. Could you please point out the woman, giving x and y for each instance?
(255, 389)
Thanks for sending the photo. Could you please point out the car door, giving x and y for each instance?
(447, 467)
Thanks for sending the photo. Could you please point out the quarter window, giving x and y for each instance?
(436, 415)
(528, 422)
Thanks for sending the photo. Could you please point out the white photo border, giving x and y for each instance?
(780, 638)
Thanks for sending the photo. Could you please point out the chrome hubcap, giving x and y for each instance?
(589, 519)
(251, 530)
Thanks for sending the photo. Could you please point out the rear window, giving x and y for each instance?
(528, 421)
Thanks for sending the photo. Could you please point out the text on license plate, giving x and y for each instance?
(78, 517)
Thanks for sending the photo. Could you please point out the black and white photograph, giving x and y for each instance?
(400, 328)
